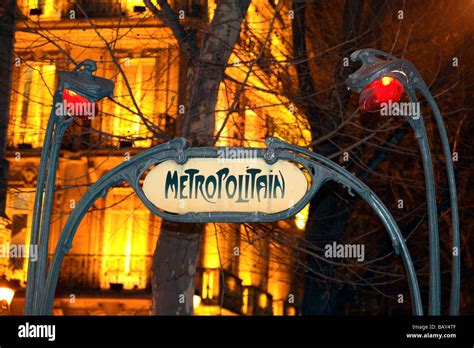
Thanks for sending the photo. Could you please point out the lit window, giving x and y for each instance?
(32, 100)
(139, 73)
(125, 241)
(41, 9)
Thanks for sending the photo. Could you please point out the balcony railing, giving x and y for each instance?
(216, 287)
(77, 9)
(92, 9)
(114, 8)
(82, 271)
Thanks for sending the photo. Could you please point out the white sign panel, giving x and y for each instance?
(208, 185)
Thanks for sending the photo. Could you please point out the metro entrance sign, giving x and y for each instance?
(277, 184)
(241, 185)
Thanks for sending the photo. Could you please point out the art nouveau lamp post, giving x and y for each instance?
(382, 78)
(76, 96)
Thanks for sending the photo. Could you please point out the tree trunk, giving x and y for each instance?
(207, 73)
(174, 269)
(174, 263)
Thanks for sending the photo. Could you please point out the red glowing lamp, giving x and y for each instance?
(76, 105)
(384, 90)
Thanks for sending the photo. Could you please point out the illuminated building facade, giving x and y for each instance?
(108, 268)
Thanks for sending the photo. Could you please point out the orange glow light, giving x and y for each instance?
(386, 80)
